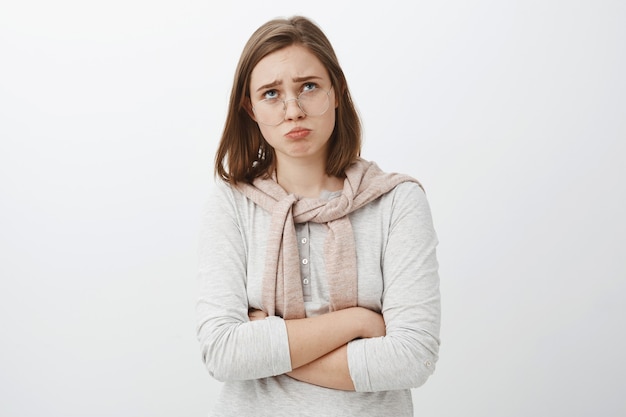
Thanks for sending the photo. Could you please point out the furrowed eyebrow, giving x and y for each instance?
(310, 77)
(268, 86)
(295, 80)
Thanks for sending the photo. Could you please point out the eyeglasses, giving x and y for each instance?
(271, 111)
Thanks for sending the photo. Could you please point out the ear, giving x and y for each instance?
(247, 104)
(336, 97)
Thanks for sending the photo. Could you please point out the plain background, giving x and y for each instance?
(511, 113)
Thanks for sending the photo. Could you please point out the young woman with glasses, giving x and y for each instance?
(318, 273)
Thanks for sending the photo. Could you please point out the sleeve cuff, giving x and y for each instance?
(357, 364)
(281, 359)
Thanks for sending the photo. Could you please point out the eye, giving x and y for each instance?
(308, 87)
(270, 95)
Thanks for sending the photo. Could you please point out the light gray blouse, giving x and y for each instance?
(397, 276)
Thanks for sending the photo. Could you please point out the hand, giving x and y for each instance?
(256, 314)
(372, 324)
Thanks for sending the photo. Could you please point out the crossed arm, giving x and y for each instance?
(238, 344)
(318, 345)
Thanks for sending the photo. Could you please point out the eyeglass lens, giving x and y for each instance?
(272, 111)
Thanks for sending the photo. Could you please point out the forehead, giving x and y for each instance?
(294, 61)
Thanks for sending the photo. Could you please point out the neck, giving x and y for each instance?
(305, 179)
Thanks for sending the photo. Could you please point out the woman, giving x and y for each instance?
(318, 273)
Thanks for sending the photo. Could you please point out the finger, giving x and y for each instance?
(257, 314)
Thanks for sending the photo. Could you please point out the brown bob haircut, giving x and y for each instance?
(243, 154)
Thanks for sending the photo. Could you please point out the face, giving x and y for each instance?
(285, 75)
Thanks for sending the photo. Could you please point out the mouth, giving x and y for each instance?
(298, 133)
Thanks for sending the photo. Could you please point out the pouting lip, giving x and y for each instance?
(298, 133)
(297, 129)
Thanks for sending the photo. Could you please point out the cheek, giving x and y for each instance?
(332, 119)
(267, 132)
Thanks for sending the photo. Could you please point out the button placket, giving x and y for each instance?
(302, 232)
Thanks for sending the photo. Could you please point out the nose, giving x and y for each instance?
(293, 111)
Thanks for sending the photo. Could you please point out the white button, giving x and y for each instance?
(305, 281)
(428, 363)
(304, 240)
(305, 261)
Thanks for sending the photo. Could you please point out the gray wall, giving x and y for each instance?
(512, 114)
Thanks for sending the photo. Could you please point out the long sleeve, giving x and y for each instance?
(233, 348)
(406, 356)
